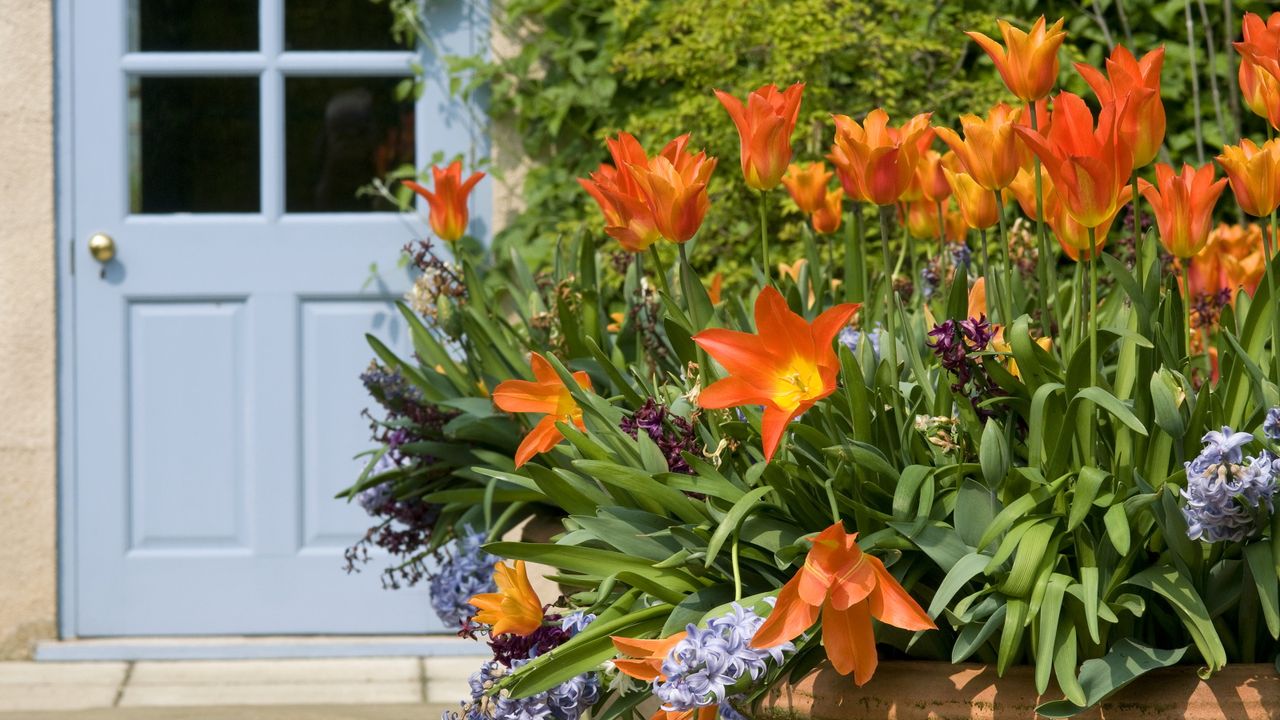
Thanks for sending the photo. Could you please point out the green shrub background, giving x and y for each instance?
(590, 68)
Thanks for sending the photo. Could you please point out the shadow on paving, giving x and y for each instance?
(283, 712)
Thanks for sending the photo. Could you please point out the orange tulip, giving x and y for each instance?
(1231, 260)
(826, 219)
(989, 150)
(1183, 205)
(515, 608)
(447, 204)
(807, 185)
(1089, 165)
(1028, 62)
(764, 125)
(1023, 189)
(787, 366)
(1125, 75)
(877, 162)
(1074, 237)
(977, 204)
(675, 189)
(921, 219)
(1254, 173)
(1261, 38)
(645, 664)
(847, 587)
(627, 216)
(545, 394)
(931, 181)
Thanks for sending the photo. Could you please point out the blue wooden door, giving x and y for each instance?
(216, 357)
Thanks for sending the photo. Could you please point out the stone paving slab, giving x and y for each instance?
(276, 693)
(27, 686)
(273, 672)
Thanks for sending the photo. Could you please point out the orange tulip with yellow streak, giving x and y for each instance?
(877, 162)
(764, 125)
(514, 608)
(544, 394)
(1028, 61)
(989, 149)
(787, 365)
(447, 201)
(1183, 204)
(846, 587)
(1125, 75)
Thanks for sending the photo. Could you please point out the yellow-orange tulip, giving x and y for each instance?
(1074, 237)
(447, 202)
(807, 185)
(764, 126)
(1028, 62)
(1125, 75)
(826, 219)
(977, 204)
(675, 189)
(847, 587)
(1183, 205)
(545, 394)
(515, 608)
(1089, 165)
(627, 216)
(1261, 38)
(989, 149)
(877, 162)
(1023, 189)
(1254, 173)
(787, 366)
(931, 181)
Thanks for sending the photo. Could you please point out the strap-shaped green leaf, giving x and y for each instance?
(1100, 677)
(1170, 584)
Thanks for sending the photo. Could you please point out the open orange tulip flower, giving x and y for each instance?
(877, 162)
(674, 186)
(807, 185)
(515, 608)
(847, 587)
(447, 202)
(1183, 204)
(1261, 39)
(787, 366)
(826, 219)
(627, 216)
(1254, 173)
(989, 150)
(1089, 164)
(545, 394)
(1028, 61)
(1125, 74)
(765, 124)
(977, 204)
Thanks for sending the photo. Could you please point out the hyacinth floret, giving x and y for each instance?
(852, 338)
(1271, 425)
(1225, 489)
(708, 664)
(576, 622)
(465, 570)
(374, 499)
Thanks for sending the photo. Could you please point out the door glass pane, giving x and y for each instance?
(193, 25)
(193, 144)
(340, 133)
(337, 25)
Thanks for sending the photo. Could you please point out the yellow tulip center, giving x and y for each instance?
(799, 382)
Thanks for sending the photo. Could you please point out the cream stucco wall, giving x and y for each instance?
(28, 479)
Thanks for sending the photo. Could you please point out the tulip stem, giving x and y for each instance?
(1048, 281)
(658, 269)
(942, 247)
(1138, 258)
(764, 242)
(1268, 246)
(852, 276)
(1006, 283)
(1093, 307)
(982, 254)
(1186, 300)
(886, 214)
(860, 245)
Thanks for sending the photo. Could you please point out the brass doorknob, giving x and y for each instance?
(102, 247)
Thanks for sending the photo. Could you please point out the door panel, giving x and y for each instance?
(217, 357)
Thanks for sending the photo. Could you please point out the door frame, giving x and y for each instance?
(66, 247)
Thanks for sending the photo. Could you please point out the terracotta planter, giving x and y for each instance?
(941, 691)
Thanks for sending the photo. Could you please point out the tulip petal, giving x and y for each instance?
(829, 324)
(791, 616)
(544, 436)
(850, 641)
(731, 391)
(525, 396)
(891, 604)
(772, 424)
